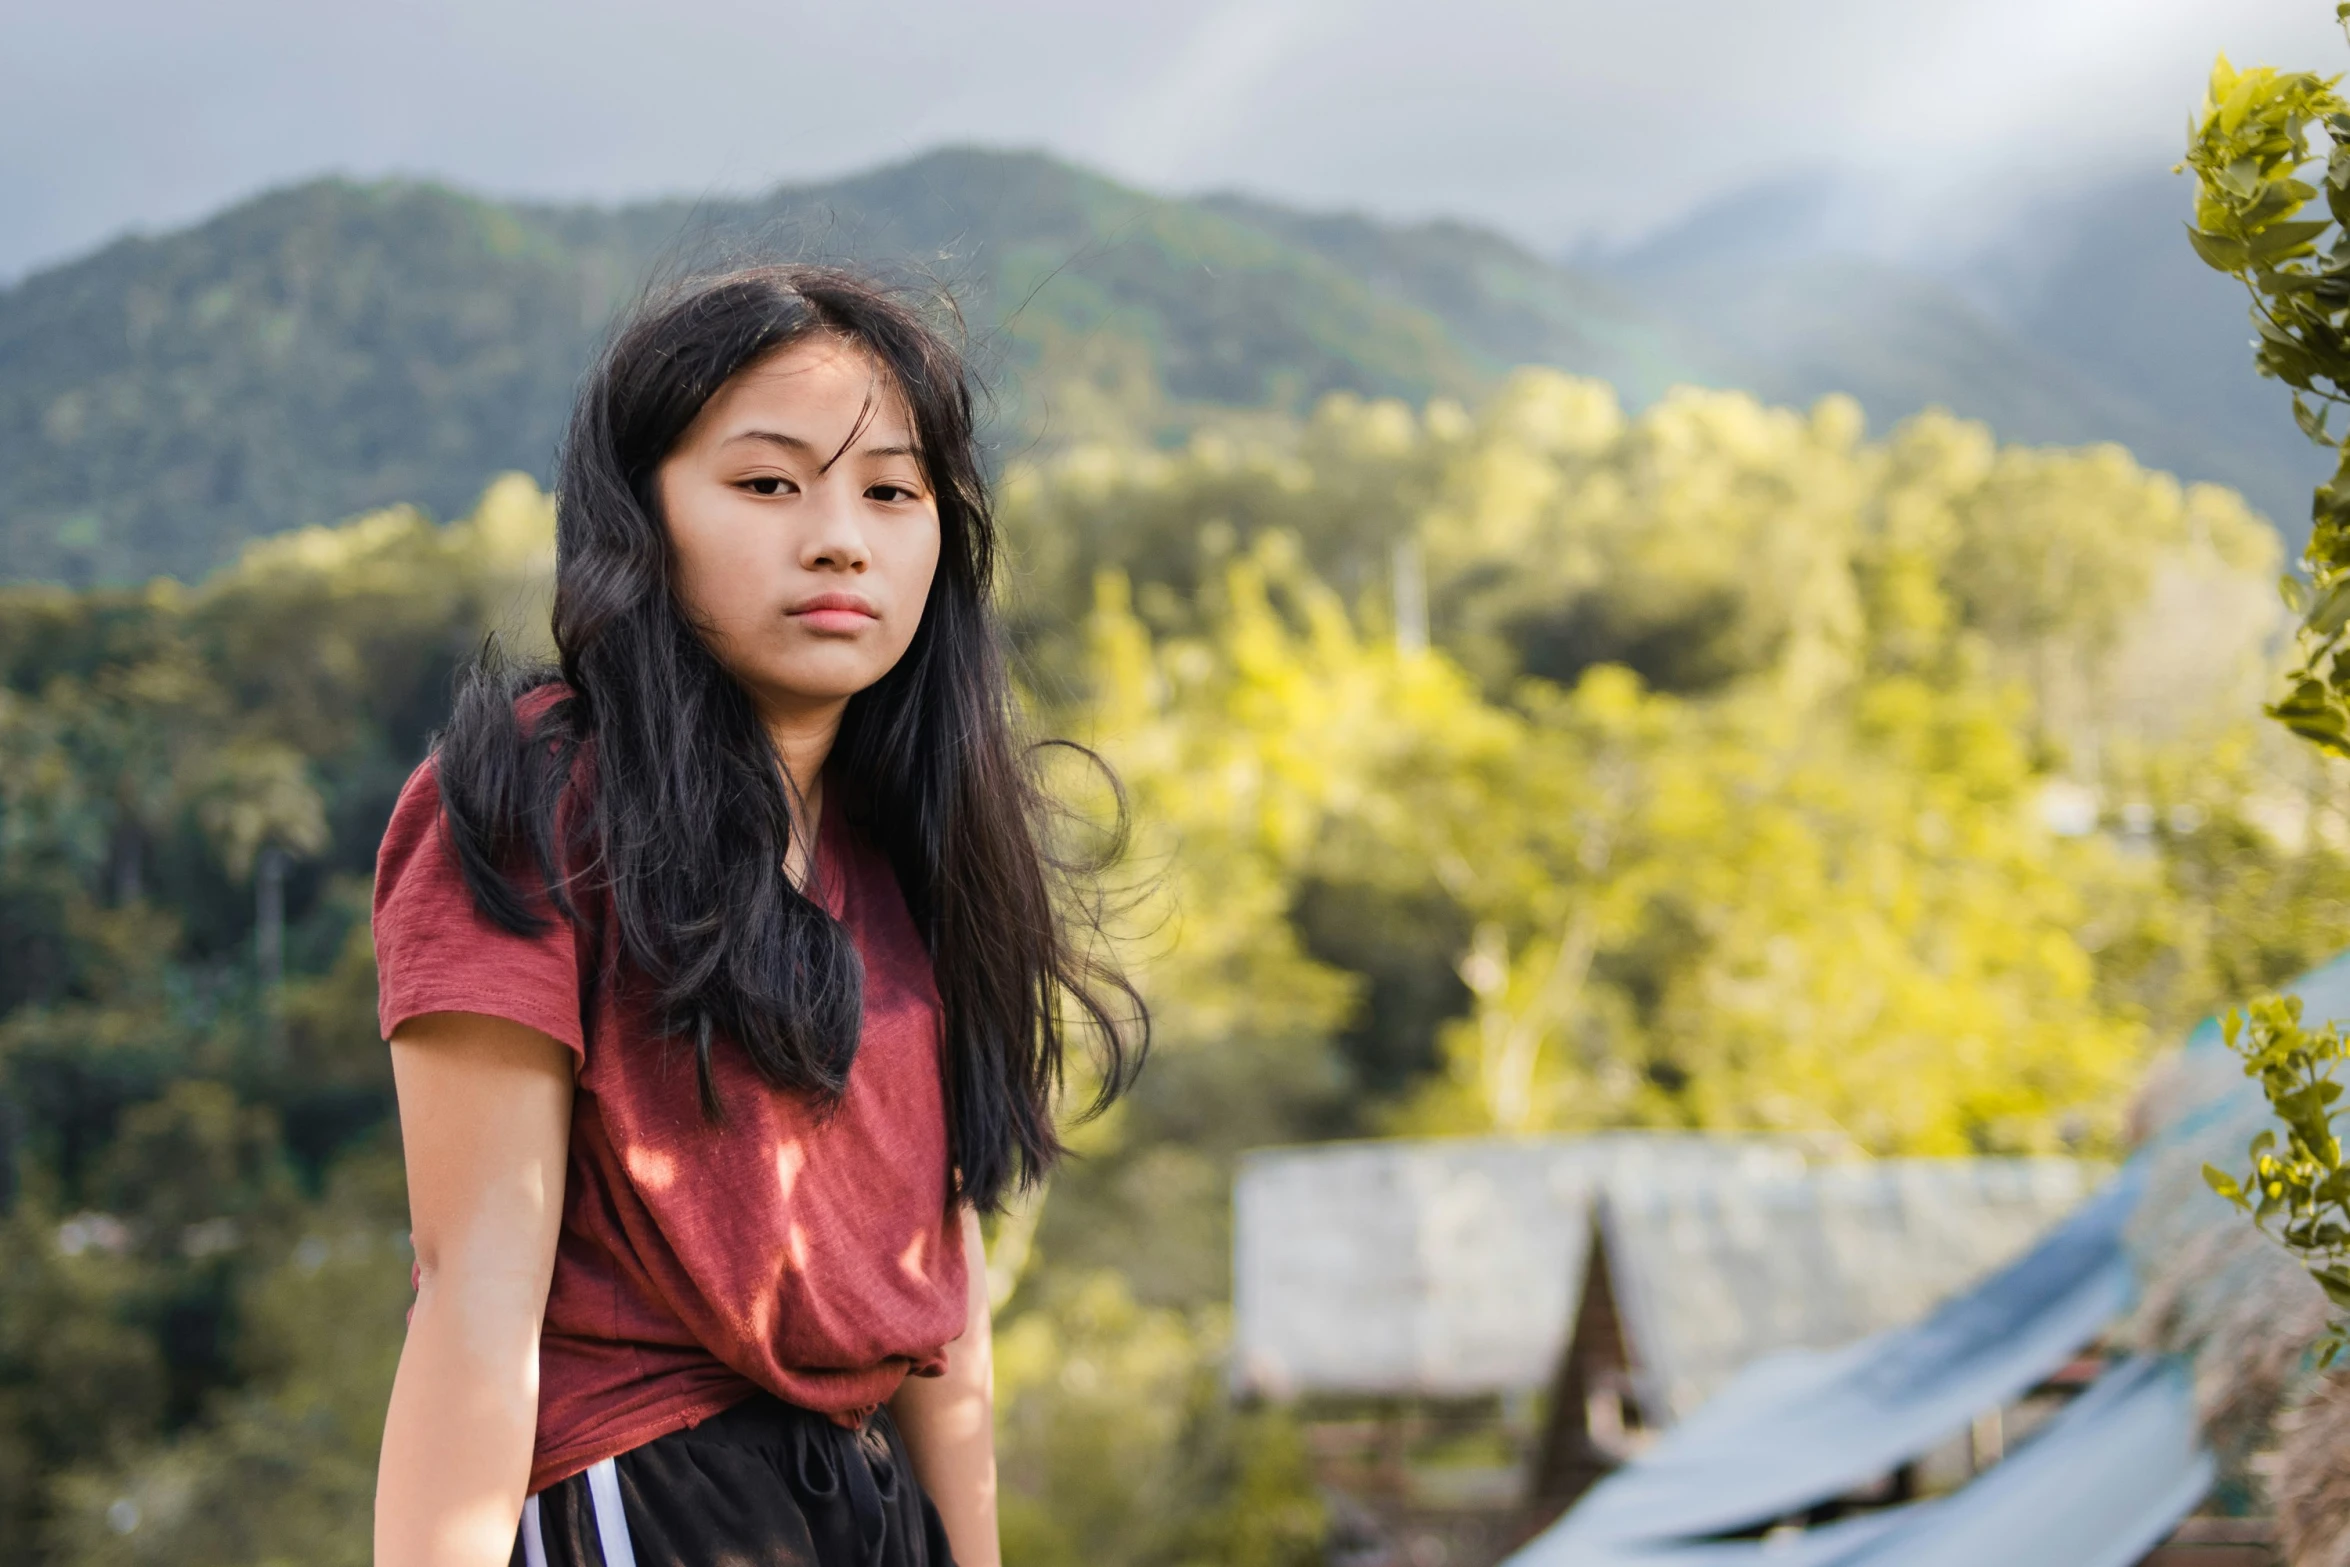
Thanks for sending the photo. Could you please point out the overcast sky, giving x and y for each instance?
(1561, 121)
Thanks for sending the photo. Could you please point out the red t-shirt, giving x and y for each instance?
(814, 1255)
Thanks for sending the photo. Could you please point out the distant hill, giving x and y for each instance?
(2105, 280)
(309, 354)
(1505, 304)
(2085, 319)
(337, 346)
(340, 346)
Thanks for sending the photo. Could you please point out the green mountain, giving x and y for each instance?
(336, 347)
(1505, 304)
(313, 353)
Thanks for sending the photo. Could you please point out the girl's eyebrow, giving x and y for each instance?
(795, 443)
(773, 438)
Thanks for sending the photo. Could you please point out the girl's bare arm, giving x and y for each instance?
(485, 1120)
(949, 1425)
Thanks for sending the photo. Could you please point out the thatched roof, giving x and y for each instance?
(1454, 1267)
(2310, 1482)
(1715, 1275)
(1441, 1267)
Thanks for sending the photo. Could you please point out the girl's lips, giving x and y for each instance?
(834, 619)
(835, 612)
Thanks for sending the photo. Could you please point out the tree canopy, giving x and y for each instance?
(1531, 766)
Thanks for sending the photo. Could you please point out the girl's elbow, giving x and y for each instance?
(485, 1313)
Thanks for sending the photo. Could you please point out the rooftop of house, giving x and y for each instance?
(1456, 1267)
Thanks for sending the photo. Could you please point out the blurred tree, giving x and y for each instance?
(1121, 1448)
(176, 1140)
(283, 1470)
(1540, 766)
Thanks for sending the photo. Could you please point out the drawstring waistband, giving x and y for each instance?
(856, 1474)
(864, 1494)
(847, 1453)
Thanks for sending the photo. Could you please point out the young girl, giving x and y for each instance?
(724, 978)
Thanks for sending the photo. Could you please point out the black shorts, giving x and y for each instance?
(765, 1484)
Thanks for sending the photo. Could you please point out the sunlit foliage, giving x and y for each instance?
(1721, 796)
(2257, 132)
(1537, 766)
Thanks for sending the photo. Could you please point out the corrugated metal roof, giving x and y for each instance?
(1800, 1427)
(2104, 1482)
(1712, 1276)
(1449, 1267)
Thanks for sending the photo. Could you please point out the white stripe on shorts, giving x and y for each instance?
(611, 1524)
(534, 1536)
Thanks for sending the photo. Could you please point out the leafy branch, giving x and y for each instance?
(2300, 1185)
(2256, 134)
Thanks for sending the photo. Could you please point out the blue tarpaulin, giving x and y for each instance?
(2104, 1482)
(1795, 1430)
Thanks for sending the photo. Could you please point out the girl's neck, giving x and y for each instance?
(802, 736)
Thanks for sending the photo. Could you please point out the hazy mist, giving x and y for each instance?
(1562, 121)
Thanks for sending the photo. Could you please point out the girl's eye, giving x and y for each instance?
(767, 484)
(890, 492)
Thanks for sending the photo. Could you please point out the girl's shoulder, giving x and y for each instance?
(464, 918)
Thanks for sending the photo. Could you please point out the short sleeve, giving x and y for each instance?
(436, 952)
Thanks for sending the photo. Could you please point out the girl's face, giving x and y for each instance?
(804, 531)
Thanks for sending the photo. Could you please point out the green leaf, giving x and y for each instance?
(2238, 102)
(2312, 712)
(2336, 1285)
(2279, 240)
(2311, 420)
(2331, 612)
(2277, 199)
(2225, 255)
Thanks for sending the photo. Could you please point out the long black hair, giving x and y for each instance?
(686, 815)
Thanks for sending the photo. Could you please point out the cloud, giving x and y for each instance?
(1549, 118)
(1187, 109)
